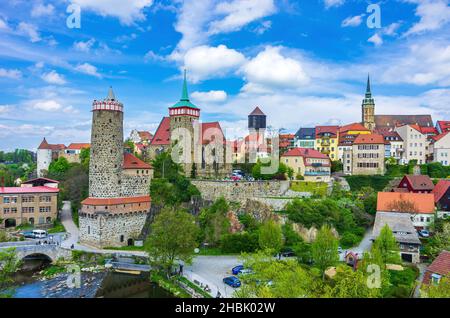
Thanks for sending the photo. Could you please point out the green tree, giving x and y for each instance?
(270, 236)
(85, 156)
(58, 168)
(348, 283)
(337, 166)
(386, 246)
(325, 249)
(279, 175)
(440, 290)
(9, 265)
(172, 237)
(214, 221)
(165, 167)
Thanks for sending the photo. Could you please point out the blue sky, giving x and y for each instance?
(303, 62)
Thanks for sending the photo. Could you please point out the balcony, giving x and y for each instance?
(317, 173)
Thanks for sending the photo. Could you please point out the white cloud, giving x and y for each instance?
(263, 27)
(53, 77)
(202, 62)
(29, 30)
(152, 56)
(84, 46)
(128, 12)
(12, 73)
(271, 68)
(333, 3)
(89, 69)
(238, 13)
(433, 15)
(376, 39)
(209, 97)
(46, 105)
(4, 25)
(352, 21)
(40, 10)
(5, 109)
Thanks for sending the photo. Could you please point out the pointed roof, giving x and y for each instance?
(132, 162)
(440, 189)
(162, 134)
(368, 91)
(111, 95)
(257, 112)
(44, 144)
(184, 101)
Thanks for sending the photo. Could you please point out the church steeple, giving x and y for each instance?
(184, 105)
(368, 108)
(184, 94)
(111, 95)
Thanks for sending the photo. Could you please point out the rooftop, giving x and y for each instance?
(369, 139)
(405, 202)
(257, 112)
(419, 182)
(184, 101)
(131, 162)
(441, 265)
(400, 225)
(397, 120)
(23, 190)
(440, 189)
(116, 201)
(305, 152)
(79, 146)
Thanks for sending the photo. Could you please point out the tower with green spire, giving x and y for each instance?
(368, 108)
(183, 115)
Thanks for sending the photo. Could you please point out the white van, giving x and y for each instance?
(39, 234)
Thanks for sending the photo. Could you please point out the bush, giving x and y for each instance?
(378, 183)
(240, 242)
(299, 177)
(349, 240)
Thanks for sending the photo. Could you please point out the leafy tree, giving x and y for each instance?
(85, 156)
(172, 193)
(214, 221)
(58, 168)
(348, 283)
(279, 175)
(303, 252)
(440, 290)
(386, 246)
(9, 265)
(291, 237)
(336, 166)
(440, 241)
(325, 250)
(194, 171)
(165, 167)
(172, 237)
(270, 236)
(249, 222)
(239, 242)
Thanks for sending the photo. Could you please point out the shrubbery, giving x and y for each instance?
(240, 242)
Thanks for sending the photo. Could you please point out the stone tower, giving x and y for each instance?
(106, 148)
(257, 121)
(119, 183)
(368, 108)
(183, 115)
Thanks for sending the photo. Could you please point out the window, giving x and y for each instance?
(27, 199)
(6, 200)
(45, 209)
(46, 198)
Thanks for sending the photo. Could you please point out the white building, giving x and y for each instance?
(46, 153)
(415, 144)
(440, 147)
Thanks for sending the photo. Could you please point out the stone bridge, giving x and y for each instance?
(53, 252)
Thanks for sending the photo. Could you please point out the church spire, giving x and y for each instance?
(368, 91)
(184, 94)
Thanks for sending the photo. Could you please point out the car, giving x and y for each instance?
(424, 233)
(236, 178)
(245, 271)
(237, 269)
(232, 281)
(28, 235)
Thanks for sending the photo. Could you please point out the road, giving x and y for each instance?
(363, 246)
(210, 270)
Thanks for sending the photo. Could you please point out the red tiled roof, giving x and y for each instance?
(423, 202)
(399, 120)
(441, 265)
(131, 162)
(45, 145)
(346, 139)
(304, 152)
(116, 201)
(209, 131)
(429, 130)
(326, 129)
(440, 189)
(79, 146)
(145, 135)
(140, 146)
(369, 139)
(419, 182)
(162, 134)
(440, 136)
(354, 127)
(21, 190)
(388, 133)
(444, 125)
(257, 112)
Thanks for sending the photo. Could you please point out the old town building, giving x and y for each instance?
(366, 157)
(311, 164)
(35, 202)
(119, 183)
(415, 143)
(327, 141)
(368, 108)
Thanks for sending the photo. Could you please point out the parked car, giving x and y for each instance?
(236, 178)
(424, 233)
(28, 235)
(245, 271)
(237, 269)
(232, 281)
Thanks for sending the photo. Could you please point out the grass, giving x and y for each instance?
(53, 270)
(194, 287)
(317, 188)
(169, 285)
(212, 251)
(58, 227)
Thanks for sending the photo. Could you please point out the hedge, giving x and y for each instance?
(377, 182)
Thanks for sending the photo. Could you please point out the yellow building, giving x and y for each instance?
(311, 164)
(327, 141)
(354, 129)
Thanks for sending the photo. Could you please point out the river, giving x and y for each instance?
(93, 285)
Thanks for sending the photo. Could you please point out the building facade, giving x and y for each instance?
(29, 204)
(119, 183)
(327, 141)
(366, 156)
(440, 148)
(46, 153)
(311, 164)
(415, 144)
(305, 137)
